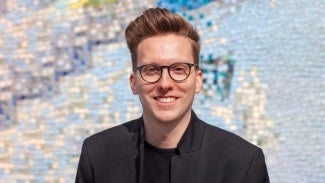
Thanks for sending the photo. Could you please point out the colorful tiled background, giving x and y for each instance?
(64, 71)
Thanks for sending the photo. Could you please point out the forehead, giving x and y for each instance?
(164, 49)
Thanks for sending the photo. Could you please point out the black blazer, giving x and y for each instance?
(207, 154)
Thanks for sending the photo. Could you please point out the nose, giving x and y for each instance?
(165, 82)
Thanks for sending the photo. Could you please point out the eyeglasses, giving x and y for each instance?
(178, 72)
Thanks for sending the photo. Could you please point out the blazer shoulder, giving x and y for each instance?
(117, 134)
(223, 150)
(228, 139)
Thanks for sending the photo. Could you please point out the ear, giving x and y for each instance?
(199, 78)
(132, 81)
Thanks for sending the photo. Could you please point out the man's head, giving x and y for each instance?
(157, 21)
(164, 49)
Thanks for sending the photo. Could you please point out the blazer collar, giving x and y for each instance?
(192, 138)
(190, 141)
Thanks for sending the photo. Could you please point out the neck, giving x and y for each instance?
(165, 134)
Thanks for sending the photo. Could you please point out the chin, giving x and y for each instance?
(168, 116)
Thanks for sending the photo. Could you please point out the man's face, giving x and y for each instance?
(166, 100)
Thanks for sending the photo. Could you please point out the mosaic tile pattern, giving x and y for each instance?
(64, 71)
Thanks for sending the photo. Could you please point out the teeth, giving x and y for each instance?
(166, 99)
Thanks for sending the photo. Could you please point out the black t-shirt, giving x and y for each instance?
(157, 164)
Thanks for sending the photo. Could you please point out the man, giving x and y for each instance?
(168, 143)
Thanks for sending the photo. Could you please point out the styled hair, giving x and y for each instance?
(157, 21)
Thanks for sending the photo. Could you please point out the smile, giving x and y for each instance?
(165, 99)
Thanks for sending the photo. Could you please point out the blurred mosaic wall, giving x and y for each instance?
(64, 71)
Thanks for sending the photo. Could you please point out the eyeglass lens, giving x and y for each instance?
(178, 72)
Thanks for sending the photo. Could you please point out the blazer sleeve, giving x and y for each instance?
(84, 171)
(257, 172)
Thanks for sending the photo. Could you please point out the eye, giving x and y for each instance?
(150, 70)
(179, 68)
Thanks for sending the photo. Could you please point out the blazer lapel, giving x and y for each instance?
(184, 167)
(136, 149)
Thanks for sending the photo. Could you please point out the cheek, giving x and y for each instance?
(144, 89)
(147, 89)
(187, 89)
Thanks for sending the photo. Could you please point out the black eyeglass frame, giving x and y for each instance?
(168, 69)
